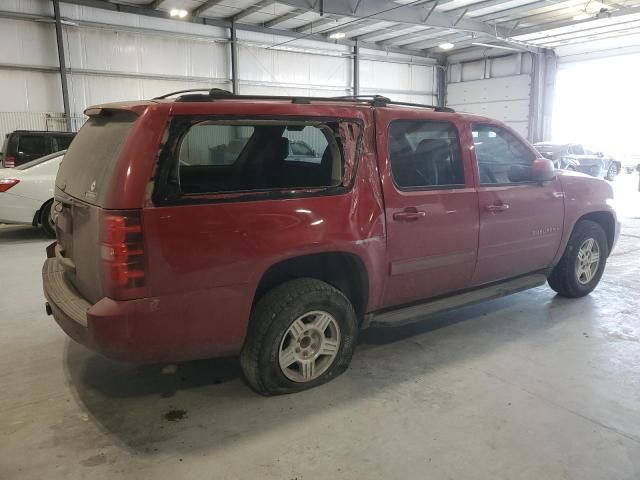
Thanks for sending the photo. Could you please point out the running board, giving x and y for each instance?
(415, 313)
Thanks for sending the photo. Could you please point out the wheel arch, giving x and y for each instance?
(606, 221)
(343, 270)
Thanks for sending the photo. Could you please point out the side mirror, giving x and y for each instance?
(542, 170)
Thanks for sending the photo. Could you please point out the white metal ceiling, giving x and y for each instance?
(422, 25)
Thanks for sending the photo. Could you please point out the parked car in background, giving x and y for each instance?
(577, 157)
(26, 192)
(22, 146)
(631, 162)
(412, 210)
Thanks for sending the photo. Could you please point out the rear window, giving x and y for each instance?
(89, 163)
(217, 156)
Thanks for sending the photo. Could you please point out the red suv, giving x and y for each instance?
(189, 228)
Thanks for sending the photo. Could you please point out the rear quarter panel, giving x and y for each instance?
(210, 257)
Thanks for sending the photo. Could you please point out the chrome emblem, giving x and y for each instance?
(92, 188)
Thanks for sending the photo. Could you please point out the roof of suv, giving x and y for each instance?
(218, 95)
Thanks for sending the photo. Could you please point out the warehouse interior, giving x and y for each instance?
(528, 386)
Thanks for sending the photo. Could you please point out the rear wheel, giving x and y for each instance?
(46, 221)
(583, 261)
(301, 334)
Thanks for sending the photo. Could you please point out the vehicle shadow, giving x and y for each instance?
(204, 405)
(16, 234)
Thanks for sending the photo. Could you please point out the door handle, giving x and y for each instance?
(409, 214)
(497, 207)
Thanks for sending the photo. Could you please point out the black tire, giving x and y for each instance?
(45, 219)
(564, 278)
(270, 321)
(612, 172)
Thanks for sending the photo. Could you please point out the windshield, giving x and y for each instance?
(40, 160)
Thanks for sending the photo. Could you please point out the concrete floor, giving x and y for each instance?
(527, 387)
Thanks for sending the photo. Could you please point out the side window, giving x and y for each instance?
(32, 145)
(425, 154)
(501, 157)
(216, 156)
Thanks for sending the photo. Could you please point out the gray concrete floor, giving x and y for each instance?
(527, 387)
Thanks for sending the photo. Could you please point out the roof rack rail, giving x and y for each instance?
(218, 94)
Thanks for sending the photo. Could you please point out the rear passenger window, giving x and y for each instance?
(233, 156)
(32, 145)
(501, 156)
(425, 154)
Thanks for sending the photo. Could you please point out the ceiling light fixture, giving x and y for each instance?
(178, 12)
(337, 35)
(446, 46)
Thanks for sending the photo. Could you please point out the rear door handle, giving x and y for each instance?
(496, 207)
(409, 214)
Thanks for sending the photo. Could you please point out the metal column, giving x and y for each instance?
(234, 60)
(356, 69)
(62, 63)
(441, 83)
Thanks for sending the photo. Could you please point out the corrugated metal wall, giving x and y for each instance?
(142, 57)
(497, 87)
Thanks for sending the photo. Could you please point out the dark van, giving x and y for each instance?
(22, 146)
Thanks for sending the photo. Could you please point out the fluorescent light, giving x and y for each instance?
(581, 16)
(478, 44)
(178, 12)
(446, 46)
(337, 35)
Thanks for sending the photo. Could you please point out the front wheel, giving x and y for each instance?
(612, 172)
(582, 264)
(301, 334)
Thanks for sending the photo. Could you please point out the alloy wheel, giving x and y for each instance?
(587, 261)
(309, 346)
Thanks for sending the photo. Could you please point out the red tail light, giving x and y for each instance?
(7, 183)
(122, 252)
(9, 162)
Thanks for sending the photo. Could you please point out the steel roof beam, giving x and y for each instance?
(251, 10)
(199, 10)
(614, 27)
(394, 12)
(283, 18)
(155, 4)
(569, 23)
(409, 38)
(390, 30)
(315, 25)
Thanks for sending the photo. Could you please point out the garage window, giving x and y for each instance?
(216, 156)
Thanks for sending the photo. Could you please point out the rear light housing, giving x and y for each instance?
(7, 183)
(122, 254)
(9, 162)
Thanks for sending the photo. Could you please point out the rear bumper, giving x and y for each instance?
(146, 330)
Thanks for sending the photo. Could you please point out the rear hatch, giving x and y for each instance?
(81, 184)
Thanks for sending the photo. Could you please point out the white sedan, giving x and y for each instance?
(26, 192)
